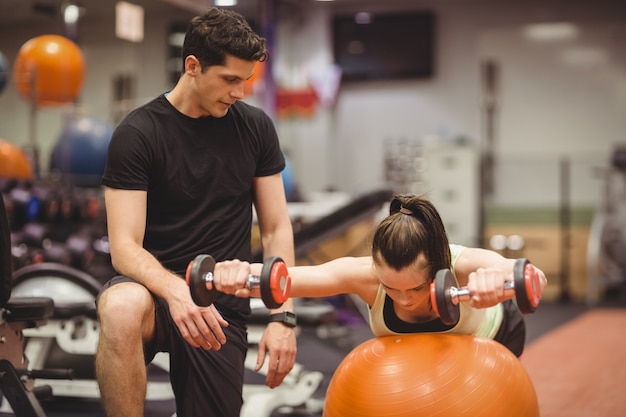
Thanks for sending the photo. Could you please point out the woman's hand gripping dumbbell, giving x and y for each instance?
(445, 297)
(272, 286)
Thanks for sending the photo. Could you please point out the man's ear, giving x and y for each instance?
(192, 65)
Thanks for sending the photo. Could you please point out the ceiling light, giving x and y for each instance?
(557, 31)
(71, 13)
(363, 18)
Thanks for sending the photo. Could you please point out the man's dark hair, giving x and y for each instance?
(219, 32)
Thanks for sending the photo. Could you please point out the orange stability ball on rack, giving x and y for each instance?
(430, 375)
(251, 84)
(13, 162)
(49, 70)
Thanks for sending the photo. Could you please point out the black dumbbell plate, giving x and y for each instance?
(201, 265)
(449, 312)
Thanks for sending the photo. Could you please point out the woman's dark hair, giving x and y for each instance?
(221, 32)
(413, 227)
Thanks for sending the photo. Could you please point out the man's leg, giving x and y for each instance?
(126, 316)
(209, 383)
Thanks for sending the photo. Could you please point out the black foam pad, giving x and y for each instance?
(6, 266)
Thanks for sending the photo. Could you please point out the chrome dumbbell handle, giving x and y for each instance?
(252, 282)
(463, 294)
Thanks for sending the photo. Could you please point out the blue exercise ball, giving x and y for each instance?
(4, 75)
(81, 149)
(289, 181)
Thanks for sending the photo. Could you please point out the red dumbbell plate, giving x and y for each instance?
(527, 286)
(275, 282)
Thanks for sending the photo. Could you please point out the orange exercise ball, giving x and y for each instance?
(13, 162)
(49, 70)
(440, 375)
(251, 83)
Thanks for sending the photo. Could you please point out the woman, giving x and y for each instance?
(408, 248)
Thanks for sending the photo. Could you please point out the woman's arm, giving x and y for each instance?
(347, 275)
(339, 276)
(484, 272)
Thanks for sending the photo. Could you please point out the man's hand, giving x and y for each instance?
(280, 342)
(230, 277)
(199, 326)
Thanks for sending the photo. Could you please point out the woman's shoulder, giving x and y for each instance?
(366, 283)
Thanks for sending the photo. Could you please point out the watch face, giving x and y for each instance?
(290, 318)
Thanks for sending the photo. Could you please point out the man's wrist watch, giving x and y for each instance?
(287, 318)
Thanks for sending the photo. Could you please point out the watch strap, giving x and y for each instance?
(287, 318)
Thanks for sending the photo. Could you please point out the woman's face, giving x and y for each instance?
(409, 288)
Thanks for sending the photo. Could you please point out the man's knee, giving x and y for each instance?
(128, 307)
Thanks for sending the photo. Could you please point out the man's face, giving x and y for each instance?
(220, 86)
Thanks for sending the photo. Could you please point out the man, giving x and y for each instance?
(182, 174)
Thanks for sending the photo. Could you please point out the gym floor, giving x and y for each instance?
(322, 349)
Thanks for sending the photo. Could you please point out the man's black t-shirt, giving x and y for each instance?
(199, 177)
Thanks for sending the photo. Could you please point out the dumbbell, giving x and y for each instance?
(273, 285)
(22, 207)
(49, 200)
(445, 297)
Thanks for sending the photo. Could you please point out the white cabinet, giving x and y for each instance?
(451, 180)
(448, 174)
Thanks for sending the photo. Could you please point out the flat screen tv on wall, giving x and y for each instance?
(370, 46)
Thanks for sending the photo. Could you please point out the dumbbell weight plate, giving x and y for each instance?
(280, 282)
(527, 286)
(441, 299)
(196, 270)
(274, 292)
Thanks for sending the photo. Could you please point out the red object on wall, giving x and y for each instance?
(302, 102)
(250, 84)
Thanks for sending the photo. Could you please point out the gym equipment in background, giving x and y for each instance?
(363, 207)
(428, 375)
(17, 314)
(290, 184)
(606, 264)
(21, 205)
(14, 164)
(79, 154)
(4, 75)
(49, 70)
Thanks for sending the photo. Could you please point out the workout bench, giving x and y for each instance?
(17, 314)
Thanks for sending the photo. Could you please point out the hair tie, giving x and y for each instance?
(406, 211)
